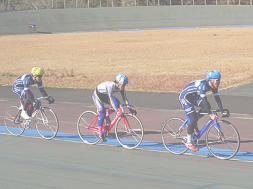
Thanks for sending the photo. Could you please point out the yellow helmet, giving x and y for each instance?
(37, 71)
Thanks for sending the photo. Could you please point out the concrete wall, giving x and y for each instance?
(96, 19)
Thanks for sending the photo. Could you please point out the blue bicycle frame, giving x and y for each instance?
(195, 137)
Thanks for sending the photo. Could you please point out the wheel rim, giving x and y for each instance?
(47, 123)
(89, 136)
(13, 123)
(223, 144)
(173, 140)
(130, 136)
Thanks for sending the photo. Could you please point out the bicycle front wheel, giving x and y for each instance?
(13, 121)
(173, 138)
(129, 131)
(87, 127)
(47, 123)
(224, 143)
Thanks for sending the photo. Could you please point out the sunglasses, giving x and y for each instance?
(218, 80)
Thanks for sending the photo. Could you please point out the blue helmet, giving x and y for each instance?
(122, 79)
(213, 75)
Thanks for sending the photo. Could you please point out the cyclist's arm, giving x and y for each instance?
(206, 105)
(42, 90)
(123, 94)
(217, 99)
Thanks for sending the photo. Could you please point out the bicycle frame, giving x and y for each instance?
(203, 130)
(108, 127)
(35, 111)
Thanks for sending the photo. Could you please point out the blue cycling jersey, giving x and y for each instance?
(23, 83)
(194, 93)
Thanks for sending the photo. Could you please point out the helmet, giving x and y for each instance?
(213, 75)
(37, 71)
(122, 79)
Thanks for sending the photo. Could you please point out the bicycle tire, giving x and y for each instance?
(47, 123)
(13, 121)
(132, 137)
(223, 144)
(173, 139)
(88, 136)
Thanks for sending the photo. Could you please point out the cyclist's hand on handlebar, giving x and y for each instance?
(225, 113)
(133, 111)
(50, 100)
(213, 117)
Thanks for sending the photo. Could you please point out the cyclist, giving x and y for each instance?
(194, 94)
(22, 88)
(32, 26)
(104, 94)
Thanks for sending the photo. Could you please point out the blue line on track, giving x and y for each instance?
(145, 144)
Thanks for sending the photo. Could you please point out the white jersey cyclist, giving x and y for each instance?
(104, 94)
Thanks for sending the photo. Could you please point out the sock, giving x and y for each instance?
(100, 130)
(189, 138)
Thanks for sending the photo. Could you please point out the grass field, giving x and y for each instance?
(159, 61)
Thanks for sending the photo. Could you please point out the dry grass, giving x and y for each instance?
(163, 61)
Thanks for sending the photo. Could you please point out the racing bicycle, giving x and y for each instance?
(45, 120)
(128, 130)
(222, 138)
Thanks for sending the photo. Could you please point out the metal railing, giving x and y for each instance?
(6, 5)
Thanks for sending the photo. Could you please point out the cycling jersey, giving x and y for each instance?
(194, 93)
(104, 94)
(23, 83)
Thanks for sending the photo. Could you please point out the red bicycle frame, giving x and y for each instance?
(108, 127)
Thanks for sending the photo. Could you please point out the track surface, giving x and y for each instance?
(66, 162)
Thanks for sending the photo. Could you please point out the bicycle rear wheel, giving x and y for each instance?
(47, 123)
(88, 134)
(173, 139)
(13, 121)
(129, 131)
(224, 143)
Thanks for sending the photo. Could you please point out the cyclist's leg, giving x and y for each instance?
(192, 115)
(109, 112)
(101, 110)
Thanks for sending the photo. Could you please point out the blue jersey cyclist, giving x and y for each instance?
(21, 87)
(104, 94)
(194, 94)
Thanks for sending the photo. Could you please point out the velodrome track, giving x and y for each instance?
(65, 162)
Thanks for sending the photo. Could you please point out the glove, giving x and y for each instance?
(225, 113)
(133, 111)
(35, 103)
(50, 100)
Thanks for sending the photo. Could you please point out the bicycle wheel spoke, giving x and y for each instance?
(173, 140)
(47, 123)
(223, 146)
(129, 131)
(13, 125)
(88, 135)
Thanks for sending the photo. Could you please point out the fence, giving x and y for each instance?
(6, 5)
